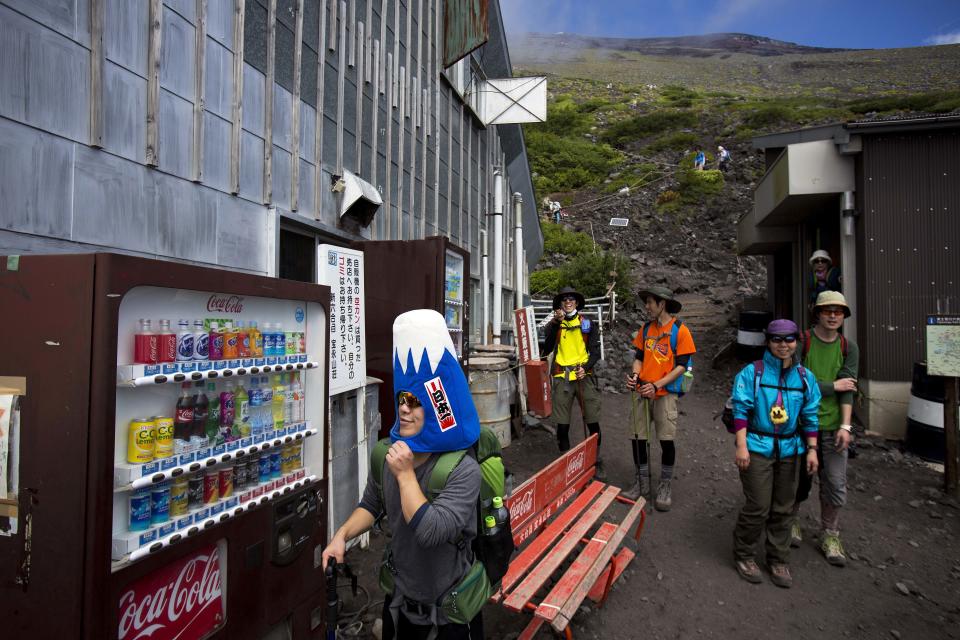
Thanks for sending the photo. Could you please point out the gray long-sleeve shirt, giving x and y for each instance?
(426, 553)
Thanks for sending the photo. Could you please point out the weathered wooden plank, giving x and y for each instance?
(530, 631)
(579, 592)
(236, 127)
(565, 586)
(295, 142)
(619, 563)
(559, 552)
(153, 83)
(318, 128)
(268, 102)
(96, 73)
(199, 99)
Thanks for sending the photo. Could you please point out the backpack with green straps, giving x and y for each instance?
(493, 551)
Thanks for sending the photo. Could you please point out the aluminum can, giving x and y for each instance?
(285, 459)
(211, 486)
(179, 499)
(225, 482)
(141, 437)
(163, 447)
(263, 470)
(140, 508)
(253, 471)
(296, 456)
(195, 490)
(275, 466)
(160, 503)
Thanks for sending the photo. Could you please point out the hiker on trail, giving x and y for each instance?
(575, 343)
(556, 210)
(834, 360)
(823, 275)
(699, 160)
(775, 402)
(723, 159)
(664, 348)
(429, 551)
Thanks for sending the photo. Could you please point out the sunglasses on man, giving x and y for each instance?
(781, 339)
(568, 298)
(407, 398)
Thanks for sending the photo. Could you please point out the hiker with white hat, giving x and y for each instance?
(723, 158)
(823, 275)
(834, 360)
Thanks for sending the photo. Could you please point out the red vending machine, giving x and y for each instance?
(172, 451)
(402, 275)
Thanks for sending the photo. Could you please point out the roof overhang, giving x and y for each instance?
(360, 199)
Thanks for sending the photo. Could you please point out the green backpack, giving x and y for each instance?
(492, 553)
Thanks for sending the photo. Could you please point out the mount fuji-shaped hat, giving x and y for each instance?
(425, 364)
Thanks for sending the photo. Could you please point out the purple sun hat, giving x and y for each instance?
(782, 327)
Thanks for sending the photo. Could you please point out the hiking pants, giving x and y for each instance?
(565, 397)
(769, 489)
(833, 481)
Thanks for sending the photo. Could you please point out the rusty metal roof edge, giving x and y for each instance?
(838, 131)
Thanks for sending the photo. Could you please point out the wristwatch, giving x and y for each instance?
(846, 427)
(811, 447)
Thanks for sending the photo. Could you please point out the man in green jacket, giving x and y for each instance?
(834, 360)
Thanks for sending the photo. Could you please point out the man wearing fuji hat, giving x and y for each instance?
(430, 548)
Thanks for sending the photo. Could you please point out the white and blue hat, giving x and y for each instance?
(425, 364)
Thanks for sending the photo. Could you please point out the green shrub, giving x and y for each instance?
(934, 101)
(644, 126)
(679, 96)
(697, 186)
(564, 164)
(769, 116)
(676, 141)
(546, 281)
(593, 104)
(564, 119)
(589, 274)
(558, 239)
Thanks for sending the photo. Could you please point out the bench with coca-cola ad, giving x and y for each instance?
(556, 515)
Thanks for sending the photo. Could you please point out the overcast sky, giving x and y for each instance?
(823, 23)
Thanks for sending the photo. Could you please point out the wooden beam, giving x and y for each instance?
(236, 111)
(318, 129)
(153, 83)
(199, 101)
(96, 73)
(268, 102)
(950, 402)
(295, 142)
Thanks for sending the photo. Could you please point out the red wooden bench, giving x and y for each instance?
(556, 515)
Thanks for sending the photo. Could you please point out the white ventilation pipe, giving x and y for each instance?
(485, 287)
(497, 254)
(848, 260)
(518, 250)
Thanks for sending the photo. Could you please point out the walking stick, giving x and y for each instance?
(583, 414)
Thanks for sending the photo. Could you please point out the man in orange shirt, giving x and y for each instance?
(656, 377)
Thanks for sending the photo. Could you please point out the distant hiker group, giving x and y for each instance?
(723, 159)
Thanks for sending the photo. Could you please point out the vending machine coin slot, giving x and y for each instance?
(295, 519)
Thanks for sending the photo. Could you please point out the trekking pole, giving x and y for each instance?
(333, 602)
(649, 428)
(583, 414)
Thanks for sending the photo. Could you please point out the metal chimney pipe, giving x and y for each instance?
(485, 286)
(497, 254)
(518, 249)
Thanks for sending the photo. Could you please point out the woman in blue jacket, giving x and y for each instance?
(775, 404)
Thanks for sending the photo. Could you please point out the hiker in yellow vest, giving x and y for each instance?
(575, 342)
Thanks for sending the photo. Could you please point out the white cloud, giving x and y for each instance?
(944, 38)
(728, 13)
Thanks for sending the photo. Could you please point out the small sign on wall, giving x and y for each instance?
(342, 270)
(524, 324)
(943, 346)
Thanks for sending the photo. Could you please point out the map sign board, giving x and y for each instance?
(943, 346)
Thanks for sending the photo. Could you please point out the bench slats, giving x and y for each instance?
(541, 573)
(566, 612)
(532, 552)
(620, 561)
(549, 607)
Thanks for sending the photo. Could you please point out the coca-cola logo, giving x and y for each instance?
(575, 464)
(181, 600)
(225, 304)
(522, 505)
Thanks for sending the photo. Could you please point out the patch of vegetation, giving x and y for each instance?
(676, 141)
(770, 116)
(545, 281)
(932, 102)
(678, 96)
(590, 274)
(558, 239)
(564, 164)
(668, 201)
(646, 125)
(564, 118)
(697, 186)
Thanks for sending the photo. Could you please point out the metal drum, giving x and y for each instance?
(493, 386)
(750, 339)
(925, 436)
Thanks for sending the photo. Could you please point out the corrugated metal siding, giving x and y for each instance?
(911, 245)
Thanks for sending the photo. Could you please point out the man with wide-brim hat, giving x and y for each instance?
(575, 344)
(664, 351)
(834, 360)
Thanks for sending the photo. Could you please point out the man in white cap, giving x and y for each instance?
(834, 361)
(823, 275)
(723, 158)
(429, 552)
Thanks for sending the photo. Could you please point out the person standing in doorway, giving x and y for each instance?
(575, 344)
(664, 347)
(834, 360)
(823, 275)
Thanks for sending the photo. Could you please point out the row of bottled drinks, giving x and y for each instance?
(210, 339)
(207, 417)
(185, 494)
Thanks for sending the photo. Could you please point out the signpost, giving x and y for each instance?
(943, 359)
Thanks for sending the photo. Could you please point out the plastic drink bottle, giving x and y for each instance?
(279, 397)
(256, 340)
(167, 342)
(288, 402)
(184, 342)
(255, 394)
(279, 340)
(146, 343)
(231, 340)
(500, 512)
(212, 427)
(268, 340)
(183, 420)
(490, 527)
(242, 403)
(266, 407)
(227, 412)
(296, 390)
(201, 409)
(687, 380)
(243, 341)
(201, 341)
(215, 344)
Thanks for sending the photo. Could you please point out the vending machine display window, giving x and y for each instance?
(453, 298)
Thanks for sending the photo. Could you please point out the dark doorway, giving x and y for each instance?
(297, 256)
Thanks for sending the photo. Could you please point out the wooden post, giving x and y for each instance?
(950, 406)
(199, 98)
(236, 111)
(153, 84)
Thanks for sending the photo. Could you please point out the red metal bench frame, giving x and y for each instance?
(551, 515)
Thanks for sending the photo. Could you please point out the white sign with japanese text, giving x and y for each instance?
(342, 270)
